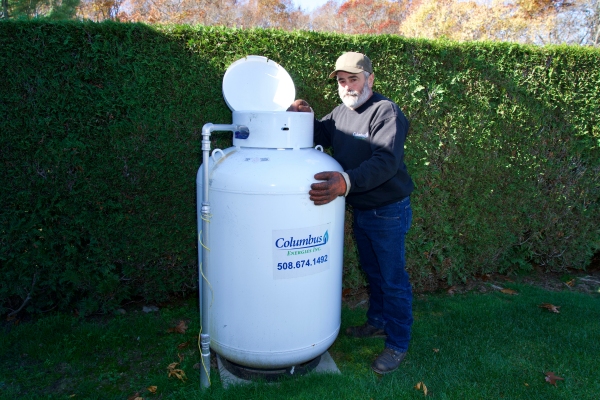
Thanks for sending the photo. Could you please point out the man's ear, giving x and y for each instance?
(371, 79)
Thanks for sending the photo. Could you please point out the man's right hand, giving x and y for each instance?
(300, 106)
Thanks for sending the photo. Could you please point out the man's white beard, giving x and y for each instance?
(353, 99)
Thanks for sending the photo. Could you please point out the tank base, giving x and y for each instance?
(269, 375)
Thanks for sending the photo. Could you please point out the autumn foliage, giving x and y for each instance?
(524, 21)
(371, 16)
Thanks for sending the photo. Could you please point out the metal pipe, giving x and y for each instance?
(203, 295)
(205, 355)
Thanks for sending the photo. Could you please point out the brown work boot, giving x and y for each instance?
(365, 331)
(389, 360)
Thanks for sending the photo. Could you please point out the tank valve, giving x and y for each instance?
(242, 133)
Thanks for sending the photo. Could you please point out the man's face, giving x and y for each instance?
(354, 89)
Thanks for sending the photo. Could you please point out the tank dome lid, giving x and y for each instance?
(255, 83)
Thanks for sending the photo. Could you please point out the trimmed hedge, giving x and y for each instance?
(100, 143)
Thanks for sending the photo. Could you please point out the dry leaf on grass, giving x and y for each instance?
(509, 291)
(421, 386)
(183, 345)
(180, 328)
(135, 396)
(551, 378)
(152, 389)
(451, 290)
(436, 350)
(550, 307)
(173, 371)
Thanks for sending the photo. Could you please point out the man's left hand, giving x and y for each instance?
(300, 106)
(325, 192)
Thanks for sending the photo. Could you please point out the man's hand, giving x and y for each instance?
(300, 106)
(325, 192)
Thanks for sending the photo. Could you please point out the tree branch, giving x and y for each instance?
(15, 312)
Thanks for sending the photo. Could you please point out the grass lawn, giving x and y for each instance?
(466, 346)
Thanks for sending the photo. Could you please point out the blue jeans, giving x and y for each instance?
(379, 235)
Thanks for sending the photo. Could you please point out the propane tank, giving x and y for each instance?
(273, 259)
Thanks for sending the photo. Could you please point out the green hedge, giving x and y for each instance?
(100, 144)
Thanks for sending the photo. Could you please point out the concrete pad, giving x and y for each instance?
(326, 365)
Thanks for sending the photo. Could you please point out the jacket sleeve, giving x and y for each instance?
(323, 131)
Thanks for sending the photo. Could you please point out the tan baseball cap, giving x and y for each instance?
(353, 63)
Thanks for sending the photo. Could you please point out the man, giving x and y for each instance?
(367, 133)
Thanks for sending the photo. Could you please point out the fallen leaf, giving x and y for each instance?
(134, 396)
(177, 373)
(570, 283)
(436, 350)
(421, 386)
(551, 378)
(451, 290)
(173, 371)
(183, 345)
(152, 389)
(509, 291)
(180, 328)
(550, 307)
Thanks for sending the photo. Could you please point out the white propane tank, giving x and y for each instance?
(274, 267)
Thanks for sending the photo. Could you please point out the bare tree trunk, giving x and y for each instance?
(5, 9)
(597, 21)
